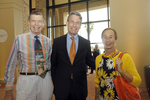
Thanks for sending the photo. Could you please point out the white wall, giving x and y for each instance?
(131, 20)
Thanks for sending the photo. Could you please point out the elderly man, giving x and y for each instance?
(32, 50)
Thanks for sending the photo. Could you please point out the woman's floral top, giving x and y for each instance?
(105, 73)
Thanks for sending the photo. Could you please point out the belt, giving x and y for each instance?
(34, 73)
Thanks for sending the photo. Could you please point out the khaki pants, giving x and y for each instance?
(33, 87)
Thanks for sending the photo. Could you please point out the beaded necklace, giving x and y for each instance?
(111, 55)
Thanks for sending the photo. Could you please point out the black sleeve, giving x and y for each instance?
(53, 60)
(89, 59)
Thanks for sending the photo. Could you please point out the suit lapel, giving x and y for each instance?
(79, 49)
(65, 46)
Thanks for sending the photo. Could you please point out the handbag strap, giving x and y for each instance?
(120, 56)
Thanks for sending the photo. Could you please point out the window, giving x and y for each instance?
(95, 14)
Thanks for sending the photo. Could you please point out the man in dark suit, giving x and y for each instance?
(69, 77)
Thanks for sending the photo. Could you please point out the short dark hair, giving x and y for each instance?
(109, 29)
(36, 12)
(74, 13)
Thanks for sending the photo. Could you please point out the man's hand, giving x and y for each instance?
(8, 95)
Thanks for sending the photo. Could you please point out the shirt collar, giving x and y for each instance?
(32, 35)
(69, 36)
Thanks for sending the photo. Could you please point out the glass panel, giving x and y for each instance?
(50, 17)
(98, 10)
(33, 4)
(61, 15)
(60, 31)
(100, 47)
(95, 35)
(50, 2)
(82, 9)
(84, 16)
(50, 33)
(57, 2)
(83, 32)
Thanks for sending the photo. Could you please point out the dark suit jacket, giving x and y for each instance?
(61, 68)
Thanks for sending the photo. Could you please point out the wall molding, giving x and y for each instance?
(9, 5)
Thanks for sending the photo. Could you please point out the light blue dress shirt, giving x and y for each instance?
(69, 41)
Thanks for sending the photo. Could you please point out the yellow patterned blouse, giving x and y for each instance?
(105, 73)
